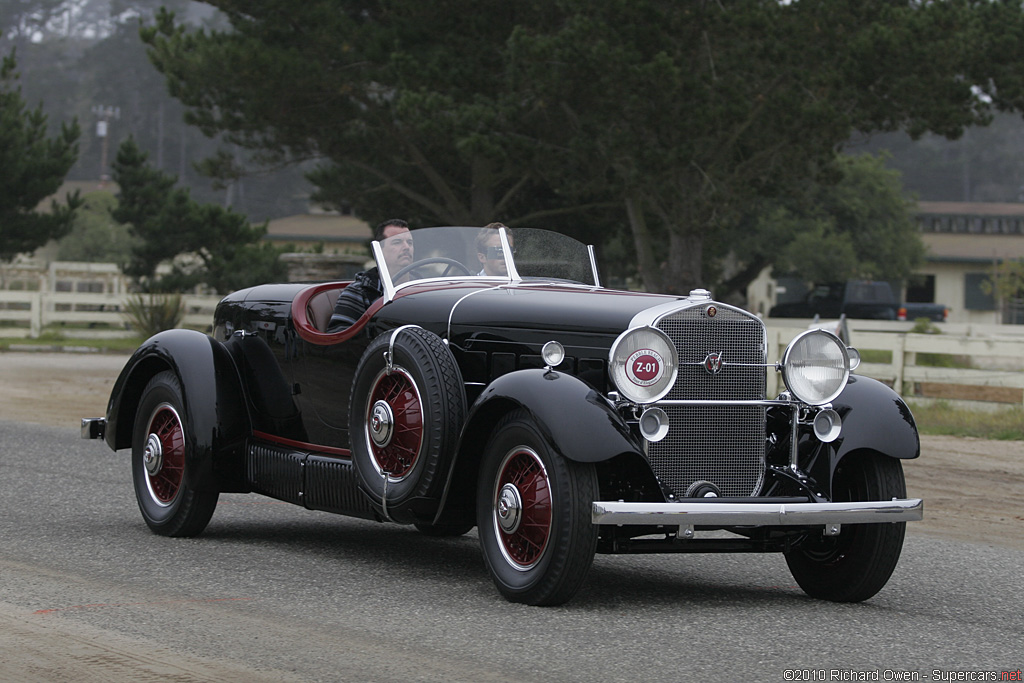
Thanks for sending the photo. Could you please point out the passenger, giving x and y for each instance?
(490, 252)
(397, 246)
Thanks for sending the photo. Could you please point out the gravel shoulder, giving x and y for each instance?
(972, 488)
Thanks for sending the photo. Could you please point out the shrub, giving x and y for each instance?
(152, 313)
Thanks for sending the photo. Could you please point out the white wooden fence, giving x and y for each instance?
(83, 315)
(994, 354)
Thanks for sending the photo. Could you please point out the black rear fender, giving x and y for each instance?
(217, 420)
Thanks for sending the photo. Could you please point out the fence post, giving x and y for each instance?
(898, 363)
(35, 321)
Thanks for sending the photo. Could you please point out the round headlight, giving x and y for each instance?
(643, 364)
(816, 367)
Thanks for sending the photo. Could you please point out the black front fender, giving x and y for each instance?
(875, 418)
(577, 421)
(215, 411)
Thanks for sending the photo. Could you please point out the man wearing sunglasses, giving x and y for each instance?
(397, 246)
(490, 252)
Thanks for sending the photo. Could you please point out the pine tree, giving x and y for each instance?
(32, 168)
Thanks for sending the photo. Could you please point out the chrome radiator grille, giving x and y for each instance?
(723, 445)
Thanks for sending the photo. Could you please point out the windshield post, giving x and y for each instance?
(506, 247)
(382, 268)
(593, 264)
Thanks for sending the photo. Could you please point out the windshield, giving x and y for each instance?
(505, 254)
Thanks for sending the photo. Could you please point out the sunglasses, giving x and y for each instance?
(494, 253)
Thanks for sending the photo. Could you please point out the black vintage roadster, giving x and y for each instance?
(558, 417)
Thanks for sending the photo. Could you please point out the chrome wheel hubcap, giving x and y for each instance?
(153, 456)
(509, 508)
(381, 423)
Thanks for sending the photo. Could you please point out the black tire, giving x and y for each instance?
(423, 401)
(534, 515)
(857, 563)
(167, 500)
(444, 530)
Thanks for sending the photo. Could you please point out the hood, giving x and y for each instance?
(543, 308)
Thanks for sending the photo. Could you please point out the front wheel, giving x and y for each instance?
(169, 504)
(533, 515)
(857, 563)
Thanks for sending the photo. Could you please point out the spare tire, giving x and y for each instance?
(405, 415)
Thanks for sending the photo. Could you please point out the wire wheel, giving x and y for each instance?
(394, 424)
(522, 508)
(164, 455)
(533, 514)
(172, 503)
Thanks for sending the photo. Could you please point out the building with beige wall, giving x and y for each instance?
(964, 241)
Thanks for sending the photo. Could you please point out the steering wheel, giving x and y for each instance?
(435, 259)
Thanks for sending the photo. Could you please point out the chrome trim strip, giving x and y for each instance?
(510, 261)
(720, 402)
(757, 514)
(593, 265)
(451, 313)
(382, 270)
(649, 316)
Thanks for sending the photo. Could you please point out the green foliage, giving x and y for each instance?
(683, 116)
(149, 314)
(95, 236)
(408, 124)
(925, 326)
(1007, 280)
(852, 223)
(34, 166)
(217, 246)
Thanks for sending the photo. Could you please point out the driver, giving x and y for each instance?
(397, 246)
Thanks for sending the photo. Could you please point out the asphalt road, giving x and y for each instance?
(274, 592)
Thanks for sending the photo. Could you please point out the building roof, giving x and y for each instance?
(318, 227)
(972, 208)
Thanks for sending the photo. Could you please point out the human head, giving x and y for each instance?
(395, 243)
(489, 250)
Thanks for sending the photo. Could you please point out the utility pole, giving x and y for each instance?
(105, 114)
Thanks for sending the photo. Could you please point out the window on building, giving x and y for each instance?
(975, 298)
(921, 289)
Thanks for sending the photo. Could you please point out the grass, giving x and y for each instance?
(1005, 424)
(51, 338)
(933, 360)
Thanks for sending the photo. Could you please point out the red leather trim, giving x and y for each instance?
(314, 336)
(303, 446)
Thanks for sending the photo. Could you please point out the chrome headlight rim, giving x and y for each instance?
(789, 368)
(655, 349)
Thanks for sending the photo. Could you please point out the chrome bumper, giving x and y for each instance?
(757, 514)
(94, 427)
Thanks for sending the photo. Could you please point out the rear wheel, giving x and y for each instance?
(857, 563)
(533, 515)
(167, 500)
